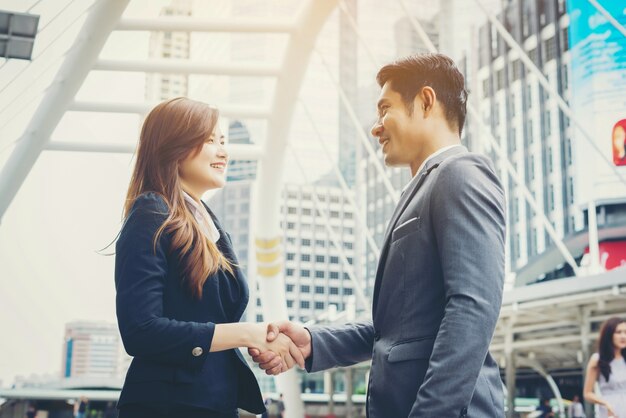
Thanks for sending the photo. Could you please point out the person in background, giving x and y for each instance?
(281, 406)
(576, 409)
(80, 407)
(607, 367)
(31, 412)
(546, 409)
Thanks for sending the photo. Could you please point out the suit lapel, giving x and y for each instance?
(406, 198)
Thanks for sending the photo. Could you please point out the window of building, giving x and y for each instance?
(305, 288)
(305, 304)
(291, 211)
(259, 318)
(305, 257)
(305, 273)
(290, 272)
(334, 290)
(306, 242)
(550, 163)
(319, 274)
(334, 214)
(334, 275)
(500, 82)
(320, 259)
(550, 49)
(289, 304)
(347, 245)
(534, 56)
(291, 256)
(319, 290)
(320, 243)
(334, 259)
(347, 291)
(289, 287)
(306, 212)
(551, 197)
(319, 305)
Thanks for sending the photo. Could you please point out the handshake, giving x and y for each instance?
(282, 345)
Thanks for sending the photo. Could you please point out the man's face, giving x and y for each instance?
(398, 132)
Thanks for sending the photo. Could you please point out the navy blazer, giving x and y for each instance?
(167, 331)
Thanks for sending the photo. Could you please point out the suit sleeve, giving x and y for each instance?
(468, 218)
(340, 346)
(141, 270)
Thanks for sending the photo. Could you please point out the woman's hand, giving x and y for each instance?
(611, 412)
(282, 346)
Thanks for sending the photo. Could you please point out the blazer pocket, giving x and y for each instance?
(405, 228)
(411, 350)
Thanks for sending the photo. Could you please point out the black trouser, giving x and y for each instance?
(144, 411)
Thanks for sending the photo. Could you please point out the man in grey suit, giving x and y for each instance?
(438, 288)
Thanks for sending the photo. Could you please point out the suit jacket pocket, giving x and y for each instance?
(405, 228)
(411, 350)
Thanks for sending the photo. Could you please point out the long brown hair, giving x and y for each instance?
(606, 349)
(173, 131)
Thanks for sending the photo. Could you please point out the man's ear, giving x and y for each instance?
(428, 98)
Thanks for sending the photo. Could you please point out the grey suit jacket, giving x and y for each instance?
(437, 298)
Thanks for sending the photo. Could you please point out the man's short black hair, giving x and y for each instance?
(409, 75)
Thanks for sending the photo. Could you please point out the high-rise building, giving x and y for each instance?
(169, 45)
(93, 350)
(315, 276)
(538, 139)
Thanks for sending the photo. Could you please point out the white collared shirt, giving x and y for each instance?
(430, 157)
(203, 218)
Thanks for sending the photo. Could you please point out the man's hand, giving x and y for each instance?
(269, 361)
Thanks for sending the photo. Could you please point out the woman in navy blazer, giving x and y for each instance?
(180, 293)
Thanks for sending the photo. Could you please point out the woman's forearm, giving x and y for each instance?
(592, 397)
(237, 334)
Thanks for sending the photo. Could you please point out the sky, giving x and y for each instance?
(70, 205)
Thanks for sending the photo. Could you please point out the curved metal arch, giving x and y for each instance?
(270, 178)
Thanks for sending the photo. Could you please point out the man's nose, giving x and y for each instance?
(377, 129)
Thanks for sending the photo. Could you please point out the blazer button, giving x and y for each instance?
(377, 336)
(197, 352)
(464, 412)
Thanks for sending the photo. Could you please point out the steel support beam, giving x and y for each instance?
(235, 151)
(181, 66)
(81, 58)
(228, 111)
(191, 24)
(270, 179)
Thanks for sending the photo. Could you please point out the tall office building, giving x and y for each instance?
(315, 276)
(538, 140)
(169, 45)
(93, 350)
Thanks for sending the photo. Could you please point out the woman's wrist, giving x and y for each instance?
(254, 334)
